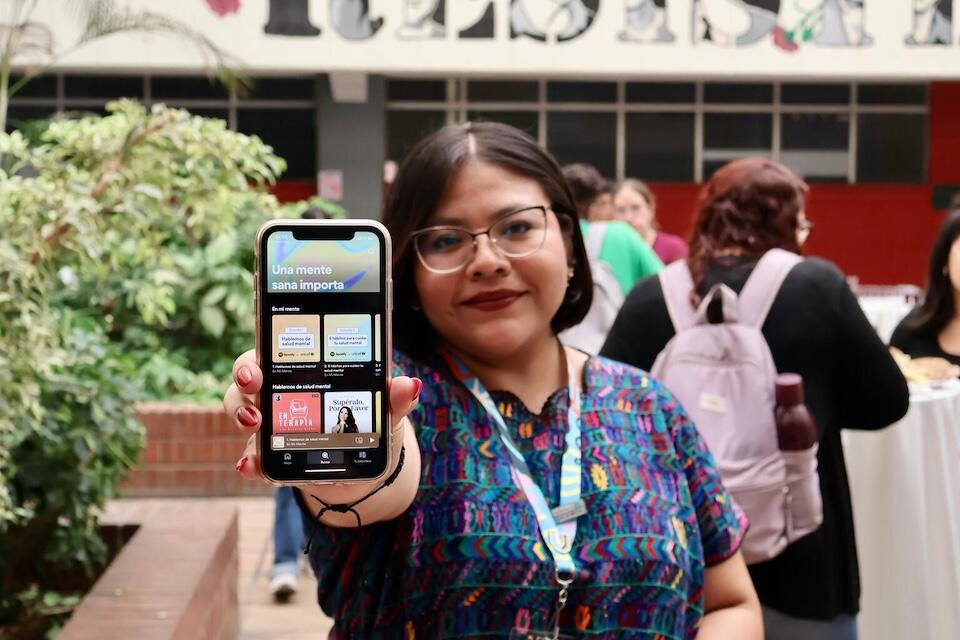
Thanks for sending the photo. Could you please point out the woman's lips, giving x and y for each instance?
(493, 300)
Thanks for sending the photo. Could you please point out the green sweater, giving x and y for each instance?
(630, 257)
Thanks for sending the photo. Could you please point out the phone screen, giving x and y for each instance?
(322, 298)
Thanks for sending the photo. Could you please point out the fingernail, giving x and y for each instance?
(417, 386)
(244, 376)
(242, 461)
(247, 416)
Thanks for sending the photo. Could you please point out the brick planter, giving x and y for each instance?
(176, 579)
(190, 451)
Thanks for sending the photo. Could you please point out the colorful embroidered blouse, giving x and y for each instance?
(462, 561)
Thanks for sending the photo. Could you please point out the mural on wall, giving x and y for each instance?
(423, 20)
(645, 21)
(551, 20)
(932, 23)
(351, 19)
(733, 23)
(426, 19)
(789, 25)
(224, 7)
(290, 18)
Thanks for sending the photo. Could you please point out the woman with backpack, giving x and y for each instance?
(488, 266)
(815, 328)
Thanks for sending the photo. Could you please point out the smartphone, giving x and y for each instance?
(323, 301)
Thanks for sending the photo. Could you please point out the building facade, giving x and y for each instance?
(861, 97)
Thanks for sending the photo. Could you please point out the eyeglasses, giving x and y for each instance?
(517, 234)
(804, 227)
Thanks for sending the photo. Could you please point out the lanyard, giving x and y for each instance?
(558, 527)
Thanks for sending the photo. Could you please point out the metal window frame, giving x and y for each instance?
(457, 106)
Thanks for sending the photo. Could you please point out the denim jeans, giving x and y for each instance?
(779, 626)
(287, 532)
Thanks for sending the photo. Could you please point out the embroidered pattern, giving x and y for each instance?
(466, 559)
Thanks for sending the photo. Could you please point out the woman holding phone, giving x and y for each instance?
(500, 423)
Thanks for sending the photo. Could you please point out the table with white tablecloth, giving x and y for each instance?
(886, 312)
(905, 482)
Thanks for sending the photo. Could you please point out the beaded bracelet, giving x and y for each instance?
(349, 507)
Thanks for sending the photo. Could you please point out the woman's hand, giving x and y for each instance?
(240, 403)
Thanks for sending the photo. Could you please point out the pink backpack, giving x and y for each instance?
(718, 365)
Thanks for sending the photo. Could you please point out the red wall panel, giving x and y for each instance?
(880, 233)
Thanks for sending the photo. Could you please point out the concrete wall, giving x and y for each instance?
(352, 139)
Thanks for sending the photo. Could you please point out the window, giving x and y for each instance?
(728, 136)
(103, 87)
(660, 146)
(738, 93)
(684, 131)
(528, 121)
(190, 88)
(498, 91)
(581, 92)
(816, 145)
(417, 90)
(662, 92)
(879, 134)
(584, 137)
(406, 128)
(291, 132)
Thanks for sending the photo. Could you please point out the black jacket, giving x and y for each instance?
(817, 329)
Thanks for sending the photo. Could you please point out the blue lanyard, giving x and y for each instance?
(558, 527)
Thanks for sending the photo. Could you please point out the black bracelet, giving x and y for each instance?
(349, 507)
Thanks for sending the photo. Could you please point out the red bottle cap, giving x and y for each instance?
(789, 389)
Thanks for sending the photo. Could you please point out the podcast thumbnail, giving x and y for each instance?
(296, 338)
(296, 412)
(348, 412)
(347, 338)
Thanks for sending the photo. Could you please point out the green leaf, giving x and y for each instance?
(215, 295)
(213, 320)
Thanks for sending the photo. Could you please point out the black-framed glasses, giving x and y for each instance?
(445, 249)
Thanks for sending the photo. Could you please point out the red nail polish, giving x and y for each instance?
(417, 386)
(244, 376)
(247, 416)
(240, 463)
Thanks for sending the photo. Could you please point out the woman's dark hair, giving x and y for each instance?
(421, 182)
(351, 422)
(938, 306)
(750, 204)
(586, 184)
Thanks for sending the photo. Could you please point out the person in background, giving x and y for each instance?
(591, 191)
(621, 248)
(933, 329)
(287, 522)
(815, 328)
(489, 265)
(636, 205)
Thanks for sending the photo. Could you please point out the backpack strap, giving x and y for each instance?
(677, 283)
(596, 232)
(763, 285)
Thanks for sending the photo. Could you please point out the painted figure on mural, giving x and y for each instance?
(645, 21)
(843, 24)
(290, 18)
(731, 23)
(423, 20)
(351, 19)
(551, 20)
(932, 23)
(427, 19)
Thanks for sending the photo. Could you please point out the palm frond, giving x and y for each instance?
(104, 17)
(28, 42)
